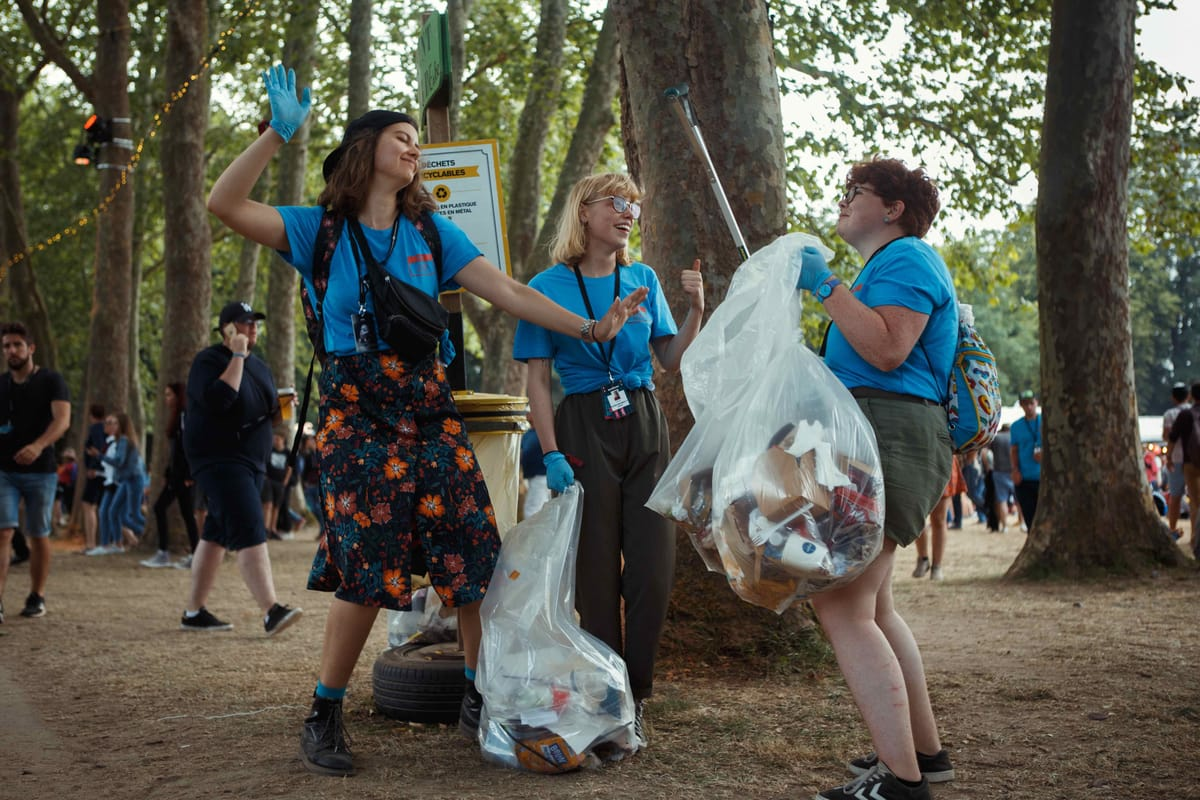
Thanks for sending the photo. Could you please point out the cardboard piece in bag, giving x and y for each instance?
(783, 484)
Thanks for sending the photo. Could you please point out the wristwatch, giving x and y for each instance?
(826, 288)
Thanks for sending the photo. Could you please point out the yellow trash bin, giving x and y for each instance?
(495, 423)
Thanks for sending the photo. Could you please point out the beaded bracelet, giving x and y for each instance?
(586, 332)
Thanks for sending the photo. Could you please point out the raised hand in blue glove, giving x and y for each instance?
(559, 475)
(813, 271)
(287, 112)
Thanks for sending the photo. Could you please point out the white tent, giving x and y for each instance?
(1149, 427)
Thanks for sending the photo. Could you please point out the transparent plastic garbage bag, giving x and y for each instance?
(555, 698)
(778, 483)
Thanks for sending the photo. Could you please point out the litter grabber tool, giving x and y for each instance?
(683, 108)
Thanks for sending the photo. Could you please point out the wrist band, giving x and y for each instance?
(586, 332)
(241, 355)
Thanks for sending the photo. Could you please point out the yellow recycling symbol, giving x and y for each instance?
(441, 193)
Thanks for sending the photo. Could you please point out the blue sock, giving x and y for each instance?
(325, 693)
(470, 673)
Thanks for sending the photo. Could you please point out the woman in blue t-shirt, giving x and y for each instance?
(891, 343)
(402, 488)
(609, 432)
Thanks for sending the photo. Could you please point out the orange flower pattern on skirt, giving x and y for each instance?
(404, 492)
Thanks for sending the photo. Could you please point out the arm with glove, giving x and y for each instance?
(230, 197)
(883, 336)
(559, 475)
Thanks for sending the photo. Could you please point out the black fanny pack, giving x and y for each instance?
(410, 321)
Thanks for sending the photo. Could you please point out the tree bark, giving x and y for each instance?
(187, 236)
(358, 98)
(1094, 510)
(523, 193)
(27, 305)
(723, 51)
(109, 363)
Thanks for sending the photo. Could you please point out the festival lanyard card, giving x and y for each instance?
(616, 399)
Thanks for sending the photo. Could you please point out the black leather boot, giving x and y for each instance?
(324, 746)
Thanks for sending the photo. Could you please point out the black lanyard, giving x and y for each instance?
(359, 240)
(592, 314)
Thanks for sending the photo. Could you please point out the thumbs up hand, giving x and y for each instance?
(693, 285)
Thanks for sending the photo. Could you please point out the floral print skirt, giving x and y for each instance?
(401, 490)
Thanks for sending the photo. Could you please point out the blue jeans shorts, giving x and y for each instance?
(37, 490)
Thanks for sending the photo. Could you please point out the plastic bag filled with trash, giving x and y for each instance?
(555, 698)
(778, 483)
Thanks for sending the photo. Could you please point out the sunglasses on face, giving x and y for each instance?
(619, 204)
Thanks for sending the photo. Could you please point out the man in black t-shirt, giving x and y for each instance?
(231, 403)
(35, 411)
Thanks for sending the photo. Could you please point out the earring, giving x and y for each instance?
(887, 219)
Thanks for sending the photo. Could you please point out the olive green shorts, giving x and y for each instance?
(915, 454)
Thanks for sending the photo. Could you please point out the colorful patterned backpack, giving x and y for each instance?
(973, 404)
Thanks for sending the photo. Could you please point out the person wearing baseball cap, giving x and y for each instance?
(392, 443)
(231, 403)
(1025, 438)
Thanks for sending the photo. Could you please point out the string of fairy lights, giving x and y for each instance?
(159, 117)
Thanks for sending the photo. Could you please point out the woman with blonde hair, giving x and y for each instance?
(609, 432)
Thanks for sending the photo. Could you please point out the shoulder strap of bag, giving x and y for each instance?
(327, 238)
(429, 232)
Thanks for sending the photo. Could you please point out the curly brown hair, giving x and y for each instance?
(892, 181)
(347, 185)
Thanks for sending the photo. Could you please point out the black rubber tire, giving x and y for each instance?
(420, 683)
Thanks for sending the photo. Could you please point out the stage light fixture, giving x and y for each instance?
(83, 155)
(98, 129)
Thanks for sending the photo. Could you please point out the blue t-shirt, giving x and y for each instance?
(410, 261)
(1025, 436)
(909, 273)
(580, 365)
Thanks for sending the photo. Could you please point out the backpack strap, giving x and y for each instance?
(429, 233)
(327, 238)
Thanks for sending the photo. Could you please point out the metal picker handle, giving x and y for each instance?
(683, 108)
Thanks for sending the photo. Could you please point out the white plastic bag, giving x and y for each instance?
(553, 694)
(778, 483)
(428, 621)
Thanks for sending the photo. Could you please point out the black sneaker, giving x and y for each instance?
(204, 621)
(35, 606)
(639, 723)
(469, 711)
(280, 617)
(936, 768)
(877, 784)
(324, 745)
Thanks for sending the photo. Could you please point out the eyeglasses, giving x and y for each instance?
(854, 191)
(619, 204)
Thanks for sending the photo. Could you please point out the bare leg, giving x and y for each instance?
(346, 630)
(39, 563)
(255, 564)
(937, 531)
(205, 563)
(5, 556)
(870, 666)
(90, 523)
(470, 627)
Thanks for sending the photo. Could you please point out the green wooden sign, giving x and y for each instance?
(433, 61)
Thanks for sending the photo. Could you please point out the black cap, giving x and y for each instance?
(373, 121)
(238, 311)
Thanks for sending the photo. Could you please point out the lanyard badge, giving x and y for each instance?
(616, 399)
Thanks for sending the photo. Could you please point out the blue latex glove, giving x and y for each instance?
(813, 271)
(287, 112)
(559, 475)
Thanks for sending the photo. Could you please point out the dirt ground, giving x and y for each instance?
(1042, 691)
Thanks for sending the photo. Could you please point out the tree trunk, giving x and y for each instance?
(250, 250)
(187, 237)
(27, 302)
(1094, 511)
(109, 362)
(457, 14)
(722, 50)
(358, 98)
(283, 280)
(523, 192)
